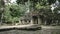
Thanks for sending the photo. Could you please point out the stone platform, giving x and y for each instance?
(30, 26)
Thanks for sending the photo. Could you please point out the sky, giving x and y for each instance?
(13, 1)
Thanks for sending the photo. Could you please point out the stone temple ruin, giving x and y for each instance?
(31, 18)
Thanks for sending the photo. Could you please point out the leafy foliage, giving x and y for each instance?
(17, 11)
(14, 12)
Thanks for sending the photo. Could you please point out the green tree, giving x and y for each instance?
(13, 12)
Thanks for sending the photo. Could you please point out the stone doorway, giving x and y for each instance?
(35, 20)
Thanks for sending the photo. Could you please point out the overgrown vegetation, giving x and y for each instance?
(12, 12)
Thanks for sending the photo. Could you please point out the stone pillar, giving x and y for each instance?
(45, 22)
(39, 20)
(31, 21)
(57, 22)
(19, 21)
(23, 22)
(27, 22)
